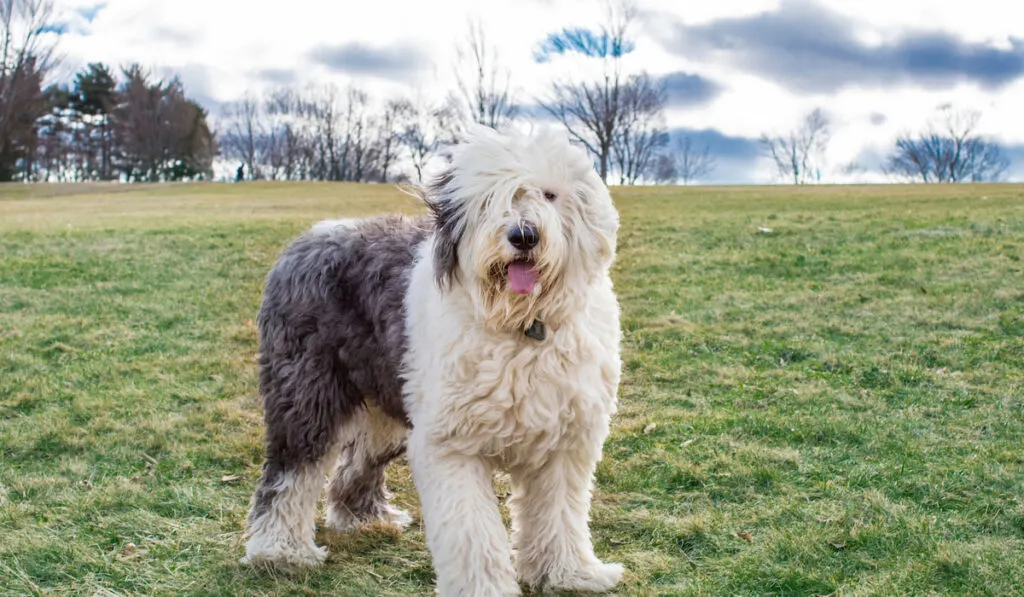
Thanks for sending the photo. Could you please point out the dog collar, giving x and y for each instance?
(536, 330)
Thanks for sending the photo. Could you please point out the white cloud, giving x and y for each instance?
(222, 48)
(978, 21)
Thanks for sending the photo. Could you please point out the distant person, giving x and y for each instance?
(240, 173)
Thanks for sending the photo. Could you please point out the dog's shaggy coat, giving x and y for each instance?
(384, 332)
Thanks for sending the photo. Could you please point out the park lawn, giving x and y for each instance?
(823, 392)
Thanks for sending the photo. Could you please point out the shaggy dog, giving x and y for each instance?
(484, 336)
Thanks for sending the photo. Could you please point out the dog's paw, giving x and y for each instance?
(340, 520)
(597, 578)
(343, 521)
(398, 517)
(285, 556)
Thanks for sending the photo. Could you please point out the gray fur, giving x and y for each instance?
(450, 224)
(331, 332)
(357, 486)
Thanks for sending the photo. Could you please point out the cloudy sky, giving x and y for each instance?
(735, 69)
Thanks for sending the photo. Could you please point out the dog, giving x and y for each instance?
(483, 335)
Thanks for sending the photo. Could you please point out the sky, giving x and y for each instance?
(734, 69)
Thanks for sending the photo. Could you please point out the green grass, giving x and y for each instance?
(833, 407)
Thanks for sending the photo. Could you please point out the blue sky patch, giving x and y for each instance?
(581, 41)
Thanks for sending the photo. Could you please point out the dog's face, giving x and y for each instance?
(523, 223)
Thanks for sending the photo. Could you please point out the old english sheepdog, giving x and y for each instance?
(483, 336)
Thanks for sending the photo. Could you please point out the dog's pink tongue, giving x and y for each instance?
(521, 277)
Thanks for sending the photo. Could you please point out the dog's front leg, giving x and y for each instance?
(550, 531)
(464, 530)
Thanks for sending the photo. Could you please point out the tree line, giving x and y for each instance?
(947, 150)
(321, 133)
(105, 125)
(128, 125)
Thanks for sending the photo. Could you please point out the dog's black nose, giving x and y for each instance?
(523, 237)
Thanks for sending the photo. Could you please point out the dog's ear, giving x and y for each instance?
(449, 226)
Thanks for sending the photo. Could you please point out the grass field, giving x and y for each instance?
(834, 407)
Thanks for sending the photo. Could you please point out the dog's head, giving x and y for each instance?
(524, 223)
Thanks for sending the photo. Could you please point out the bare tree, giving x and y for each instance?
(640, 131)
(26, 57)
(320, 107)
(355, 141)
(243, 139)
(692, 162)
(910, 159)
(663, 169)
(291, 140)
(800, 152)
(390, 127)
(853, 168)
(485, 86)
(418, 140)
(948, 150)
(295, 116)
(429, 129)
(592, 111)
(448, 127)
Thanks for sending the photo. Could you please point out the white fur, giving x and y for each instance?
(482, 395)
(286, 534)
(345, 522)
(326, 227)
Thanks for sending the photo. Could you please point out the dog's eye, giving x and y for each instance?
(550, 196)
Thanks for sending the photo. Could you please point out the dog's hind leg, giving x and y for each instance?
(306, 400)
(357, 493)
(280, 527)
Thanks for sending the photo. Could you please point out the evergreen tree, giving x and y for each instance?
(93, 101)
